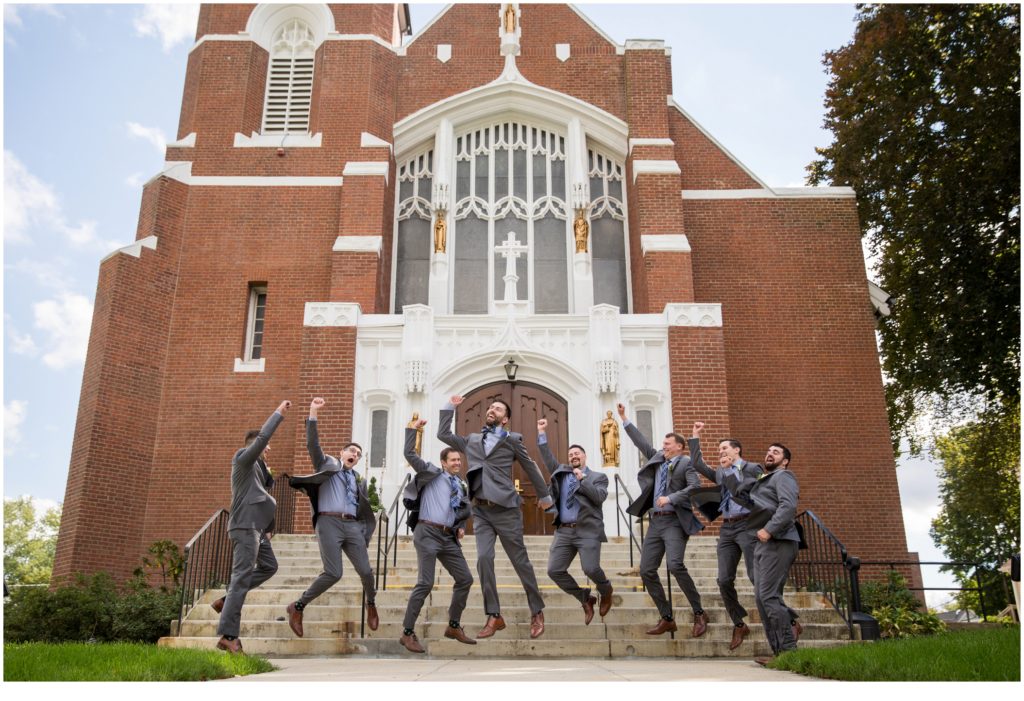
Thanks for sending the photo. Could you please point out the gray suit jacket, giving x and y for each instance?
(774, 498)
(327, 466)
(251, 504)
(591, 495)
(749, 472)
(490, 475)
(682, 482)
(426, 473)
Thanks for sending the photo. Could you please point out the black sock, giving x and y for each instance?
(299, 606)
(699, 613)
(230, 637)
(667, 618)
(453, 624)
(407, 631)
(740, 624)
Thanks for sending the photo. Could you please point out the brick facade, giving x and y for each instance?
(162, 409)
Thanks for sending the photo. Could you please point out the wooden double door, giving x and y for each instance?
(529, 403)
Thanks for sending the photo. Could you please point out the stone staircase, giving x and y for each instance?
(332, 622)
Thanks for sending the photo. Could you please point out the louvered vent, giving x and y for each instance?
(290, 80)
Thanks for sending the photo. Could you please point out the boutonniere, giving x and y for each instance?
(465, 487)
(672, 466)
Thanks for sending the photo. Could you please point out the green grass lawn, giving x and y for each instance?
(133, 662)
(977, 655)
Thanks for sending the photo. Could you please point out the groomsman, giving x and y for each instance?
(666, 482)
(496, 505)
(578, 493)
(342, 519)
(252, 515)
(441, 501)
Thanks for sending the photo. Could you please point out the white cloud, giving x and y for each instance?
(52, 274)
(31, 204)
(154, 135)
(66, 321)
(135, 180)
(11, 17)
(172, 23)
(14, 417)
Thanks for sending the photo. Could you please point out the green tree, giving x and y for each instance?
(373, 495)
(980, 493)
(924, 107)
(29, 543)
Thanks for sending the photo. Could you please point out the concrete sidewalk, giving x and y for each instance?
(353, 669)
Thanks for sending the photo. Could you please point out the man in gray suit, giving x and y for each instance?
(438, 503)
(252, 514)
(578, 492)
(772, 499)
(496, 503)
(666, 482)
(342, 519)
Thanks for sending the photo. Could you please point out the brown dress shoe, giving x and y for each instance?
(233, 647)
(738, 633)
(700, 624)
(218, 605)
(411, 643)
(537, 623)
(588, 610)
(458, 634)
(372, 619)
(494, 624)
(606, 603)
(294, 619)
(663, 627)
(797, 630)
(764, 660)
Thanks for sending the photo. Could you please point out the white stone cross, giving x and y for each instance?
(511, 249)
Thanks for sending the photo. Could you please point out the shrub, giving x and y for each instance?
(897, 622)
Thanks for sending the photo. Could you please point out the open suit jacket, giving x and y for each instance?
(749, 471)
(327, 466)
(772, 500)
(591, 495)
(682, 482)
(251, 504)
(490, 474)
(426, 473)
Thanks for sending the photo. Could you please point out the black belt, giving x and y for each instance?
(444, 529)
(484, 502)
(567, 525)
(734, 519)
(337, 514)
(662, 513)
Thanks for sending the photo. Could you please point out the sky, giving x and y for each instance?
(92, 94)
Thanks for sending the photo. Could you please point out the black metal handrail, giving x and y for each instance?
(621, 516)
(826, 566)
(207, 562)
(891, 564)
(387, 544)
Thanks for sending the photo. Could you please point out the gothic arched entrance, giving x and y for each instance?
(529, 402)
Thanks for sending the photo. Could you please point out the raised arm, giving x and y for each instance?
(252, 451)
(444, 426)
(532, 471)
(316, 455)
(697, 457)
(550, 461)
(411, 456)
(594, 488)
(692, 485)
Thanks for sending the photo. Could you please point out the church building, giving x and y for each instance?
(507, 203)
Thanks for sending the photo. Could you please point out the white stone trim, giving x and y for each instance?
(188, 141)
(563, 52)
(669, 243)
(279, 140)
(367, 168)
(133, 249)
(368, 140)
(716, 142)
(444, 53)
(426, 26)
(597, 29)
(241, 36)
(182, 172)
(250, 365)
(650, 142)
(771, 193)
(331, 314)
(267, 18)
(696, 315)
(655, 168)
(357, 244)
(361, 37)
(879, 299)
(646, 45)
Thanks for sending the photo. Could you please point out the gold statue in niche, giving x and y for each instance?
(419, 431)
(440, 232)
(610, 441)
(510, 18)
(581, 231)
